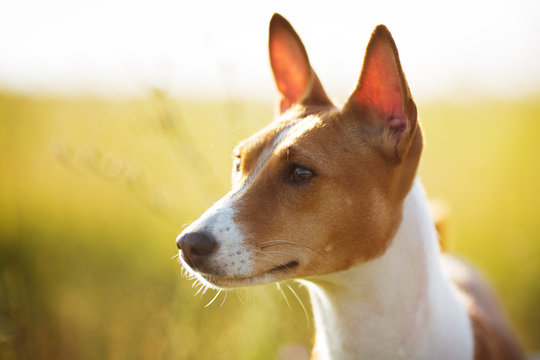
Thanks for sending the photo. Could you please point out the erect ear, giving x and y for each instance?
(295, 79)
(382, 99)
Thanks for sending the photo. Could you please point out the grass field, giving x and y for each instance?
(93, 193)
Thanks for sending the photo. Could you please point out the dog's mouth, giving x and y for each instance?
(288, 266)
(271, 275)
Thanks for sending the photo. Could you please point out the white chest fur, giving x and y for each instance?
(398, 306)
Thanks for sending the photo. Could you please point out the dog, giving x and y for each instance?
(329, 196)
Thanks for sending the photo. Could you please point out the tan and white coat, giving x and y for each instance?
(328, 196)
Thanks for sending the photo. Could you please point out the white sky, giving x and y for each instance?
(219, 48)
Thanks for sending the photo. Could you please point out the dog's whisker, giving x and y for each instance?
(276, 252)
(264, 258)
(301, 303)
(225, 298)
(205, 290)
(284, 296)
(186, 274)
(213, 299)
(236, 291)
(271, 260)
(271, 243)
(201, 286)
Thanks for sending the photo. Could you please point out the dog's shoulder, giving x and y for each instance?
(492, 336)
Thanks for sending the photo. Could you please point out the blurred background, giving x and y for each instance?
(117, 122)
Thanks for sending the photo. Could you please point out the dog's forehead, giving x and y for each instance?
(283, 133)
(296, 132)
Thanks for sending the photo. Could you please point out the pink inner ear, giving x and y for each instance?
(397, 123)
(290, 67)
(380, 86)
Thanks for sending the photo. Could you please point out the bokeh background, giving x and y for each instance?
(117, 121)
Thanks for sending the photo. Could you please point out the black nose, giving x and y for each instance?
(196, 246)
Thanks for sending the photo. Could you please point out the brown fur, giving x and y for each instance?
(353, 205)
(342, 207)
(492, 336)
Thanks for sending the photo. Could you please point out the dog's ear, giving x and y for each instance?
(382, 99)
(295, 79)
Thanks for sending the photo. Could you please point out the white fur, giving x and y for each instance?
(398, 306)
(231, 258)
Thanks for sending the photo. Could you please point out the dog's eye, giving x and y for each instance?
(300, 175)
(236, 163)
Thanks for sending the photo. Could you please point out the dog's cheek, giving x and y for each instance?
(371, 232)
(345, 228)
(276, 227)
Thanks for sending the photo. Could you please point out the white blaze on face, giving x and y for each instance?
(301, 127)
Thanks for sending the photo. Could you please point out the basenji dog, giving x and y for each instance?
(329, 196)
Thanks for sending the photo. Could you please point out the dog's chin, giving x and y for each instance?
(278, 273)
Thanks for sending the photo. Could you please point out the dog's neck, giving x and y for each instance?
(397, 306)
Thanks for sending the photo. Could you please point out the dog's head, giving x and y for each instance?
(320, 189)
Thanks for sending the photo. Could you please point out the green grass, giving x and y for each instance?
(93, 193)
